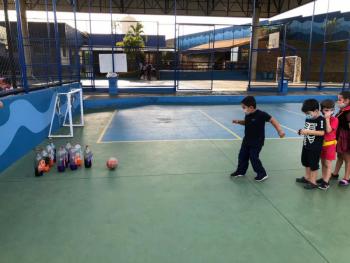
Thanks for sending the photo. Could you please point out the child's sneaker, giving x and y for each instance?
(236, 174)
(310, 186)
(334, 176)
(344, 182)
(323, 185)
(301, 180)
(260, 178)
(319, 181)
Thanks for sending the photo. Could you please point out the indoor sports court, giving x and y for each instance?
(171, 199)
(117, 140)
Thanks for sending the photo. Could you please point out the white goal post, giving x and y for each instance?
(69, 98)
(292, 68)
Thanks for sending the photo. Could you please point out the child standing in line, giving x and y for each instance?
(254, 137)
(328, 153)
(313, 133)
(343, 135)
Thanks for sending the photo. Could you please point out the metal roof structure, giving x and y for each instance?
(221, 8)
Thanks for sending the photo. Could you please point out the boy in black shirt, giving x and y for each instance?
(254, 137)
(313, 132)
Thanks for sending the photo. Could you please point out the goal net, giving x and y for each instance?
(292, 69)
(67, 106)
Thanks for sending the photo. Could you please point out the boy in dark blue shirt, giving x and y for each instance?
(254, 137)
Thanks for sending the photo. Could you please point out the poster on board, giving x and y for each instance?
(106, 63)
(274, 40)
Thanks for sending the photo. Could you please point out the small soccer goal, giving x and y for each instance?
(292, 69)
(67, 106)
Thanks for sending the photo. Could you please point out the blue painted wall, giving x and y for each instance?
(25, 121)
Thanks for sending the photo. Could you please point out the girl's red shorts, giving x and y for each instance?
(328, 152)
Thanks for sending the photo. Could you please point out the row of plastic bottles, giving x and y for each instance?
(66, 156)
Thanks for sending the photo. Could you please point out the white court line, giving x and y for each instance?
(106, 127)
(290, 129)
(195, 140)
(174, 140)
(294, 112)
(220, 124)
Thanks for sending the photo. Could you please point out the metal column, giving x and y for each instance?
(310, 46)
(22, 60)
(58, 44)
(9, 44)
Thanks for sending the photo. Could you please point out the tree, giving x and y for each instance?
(330, 28)
(132, 43)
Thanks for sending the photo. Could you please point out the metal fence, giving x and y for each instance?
(309, 52)
(37, 55)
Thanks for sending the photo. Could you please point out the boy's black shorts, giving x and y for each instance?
(311, 159)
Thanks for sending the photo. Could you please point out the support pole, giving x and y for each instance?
(9, 45)
(48, 28)
(26, 41)
(112, 35)
(346, 66)
(22, 60)
(58, 44)
(310, 47)
(91, 54)
(254, 43)
(77, 57)
(175, 50)
(323, 61)
(282, 84)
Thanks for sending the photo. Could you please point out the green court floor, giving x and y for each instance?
(170, 201)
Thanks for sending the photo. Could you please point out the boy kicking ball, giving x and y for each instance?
(254, 137)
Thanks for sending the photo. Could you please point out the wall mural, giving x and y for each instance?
(25, 121)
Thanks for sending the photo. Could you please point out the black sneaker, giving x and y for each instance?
(260, 178)
(302, 180)
(319, 181)
(310, 186)
(323, 185)
(236, 174)
(334, 176)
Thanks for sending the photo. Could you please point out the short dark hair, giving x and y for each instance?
(345, 94)
(310, 105)
(327, 104)
(249, 101)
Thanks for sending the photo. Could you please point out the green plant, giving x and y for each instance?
(132, 44)
(330, 28)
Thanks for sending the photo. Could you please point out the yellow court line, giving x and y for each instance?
(106, 127)
(220, 124)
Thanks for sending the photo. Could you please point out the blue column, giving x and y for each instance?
(58, 45)
(48, 51)
(112, 34)
(310, 46)
(91, 54)
(77, 57)
(323, 61)
(283, 86)
(175, 51)
(22, 60)
(251, 49)
(346, 66)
